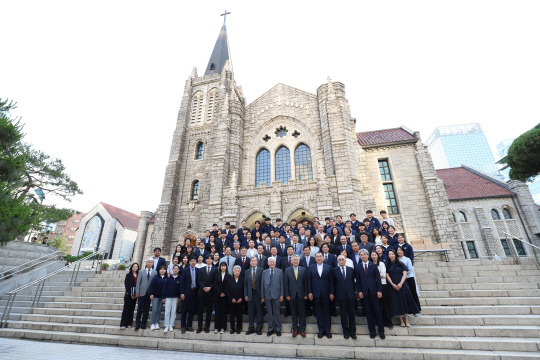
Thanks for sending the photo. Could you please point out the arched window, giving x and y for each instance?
(460, 217)
(195, 190)
(262, 167)
(283, 165)
(507, 214)
(302, 162)
(199, 151)
(211, 107)
(495, 215)
(196, 108)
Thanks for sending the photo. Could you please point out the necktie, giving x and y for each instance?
(253, 280)
(193, 277)
(148, 274)
(267, 248)
(307, 261)
(260, 260)
(271, 275)
(296, 273)
(325, 257)
(243, 261)
(365, 268)
(289, 261)
(236, 253)
(343, 271)
(282, 247)
(208, 270)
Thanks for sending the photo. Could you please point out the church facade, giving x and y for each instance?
(289, 154)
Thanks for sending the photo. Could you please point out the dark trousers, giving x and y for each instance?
(309, 307)
(127, 313)
(298, 313)
(372, 307)
(205, 302)
(347, 311)
(255, 313)
(322, 313)
(412, 285)
(220, 305)
(189, 307)
(142, 310)
(236, 311)
(385, 305)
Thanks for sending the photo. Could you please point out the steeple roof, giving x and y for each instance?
(220, 54)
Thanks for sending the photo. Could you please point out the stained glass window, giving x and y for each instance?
(199, 153)
(283, 165)
(92, 232)
(262, 167)
(302, 162)
(195, 190)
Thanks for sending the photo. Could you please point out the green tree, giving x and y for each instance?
(59, 242)
(524, 155)
(22, 170)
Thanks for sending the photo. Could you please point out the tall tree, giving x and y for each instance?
(23, 170)
(524, 155)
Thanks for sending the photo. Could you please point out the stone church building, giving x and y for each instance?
(294, 154)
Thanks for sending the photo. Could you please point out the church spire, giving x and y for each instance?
(220, 54)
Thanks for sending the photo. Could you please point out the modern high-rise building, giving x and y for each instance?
(502, 151)
(456, 145)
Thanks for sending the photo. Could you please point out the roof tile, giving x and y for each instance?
(384, 136)
(460, 183)
(126, 218)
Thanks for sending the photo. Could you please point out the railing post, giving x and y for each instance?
(7, 310)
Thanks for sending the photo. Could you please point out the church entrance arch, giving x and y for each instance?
(250, 221)
(300, 214)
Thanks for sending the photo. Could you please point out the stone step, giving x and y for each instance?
(310, 347)
(425, 279)
(113, 318)
(436, 330)
(480, 301)
(479, 286)
(480, 293)
(481, 269)
(479, 274)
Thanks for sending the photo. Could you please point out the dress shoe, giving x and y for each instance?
(259, 332)
(232, 332)
(353, 336)
(189, 329)
(372, 336)
(199, 331)
(269, 333)
(137, 327)
(183, 330)
(278, 333)
(390, 326)
(295, 333)
(143, 327)
(249, 332)
(238, 331)
(346, 336)
(328, 335)
(207, 330)
(382, 336)
(320, 335)
(303, 333)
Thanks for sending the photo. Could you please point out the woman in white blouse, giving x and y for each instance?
(410, 275)
(252, 251)
(377, 236)
(387, 319)
(312, 243)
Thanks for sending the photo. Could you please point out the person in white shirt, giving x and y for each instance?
(170, 267)
(384, 217)
(410, 276)
(387, 319)
(348, 262)
(377, 236)
(252, 251)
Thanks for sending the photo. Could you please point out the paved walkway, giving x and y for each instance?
(15, 349)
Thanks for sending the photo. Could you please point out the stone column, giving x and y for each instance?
(140, 241)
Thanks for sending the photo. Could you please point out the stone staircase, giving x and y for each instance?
(470, 310)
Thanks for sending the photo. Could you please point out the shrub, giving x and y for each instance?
(104, 266)
(121, 267)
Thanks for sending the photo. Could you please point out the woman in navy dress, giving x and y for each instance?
(401, 300)
(407, 248)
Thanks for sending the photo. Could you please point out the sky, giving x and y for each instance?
(99, 83)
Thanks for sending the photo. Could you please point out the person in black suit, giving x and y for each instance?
(295, 287)
(343, 246)
(206, 294)
(158, 260)
(363, 230)
(282, 246)
(307, 260)
(321, 290)
(365, 244)
(369, 288)
(252, 296)
(242, 261)
(130, 300)
(328, 258)
(235, 294)
(274, 254)
(345, 296)
(188, 294)
(221, 279)
(261, 258)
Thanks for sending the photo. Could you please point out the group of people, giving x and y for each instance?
(307, 269)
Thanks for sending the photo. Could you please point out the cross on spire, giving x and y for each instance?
(225, 16)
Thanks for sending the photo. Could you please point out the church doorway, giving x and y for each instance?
(250, 221)
(300, 214)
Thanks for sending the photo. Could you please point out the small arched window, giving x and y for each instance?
(460, 217)
(199, 151)
(495, 215)
(283, 165)
(302, 162)
(196, 108)
(195, 190)
(262, 167)
(211, 106)
(507, 214)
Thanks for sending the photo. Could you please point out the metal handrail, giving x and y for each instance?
(27, 265)
(76, 266)
(513, 249)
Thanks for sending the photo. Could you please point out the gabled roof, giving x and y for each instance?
(386, 136)
(126, 218)
(220, 54)
(462, 183)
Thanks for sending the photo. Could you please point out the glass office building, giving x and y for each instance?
(453, 146)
